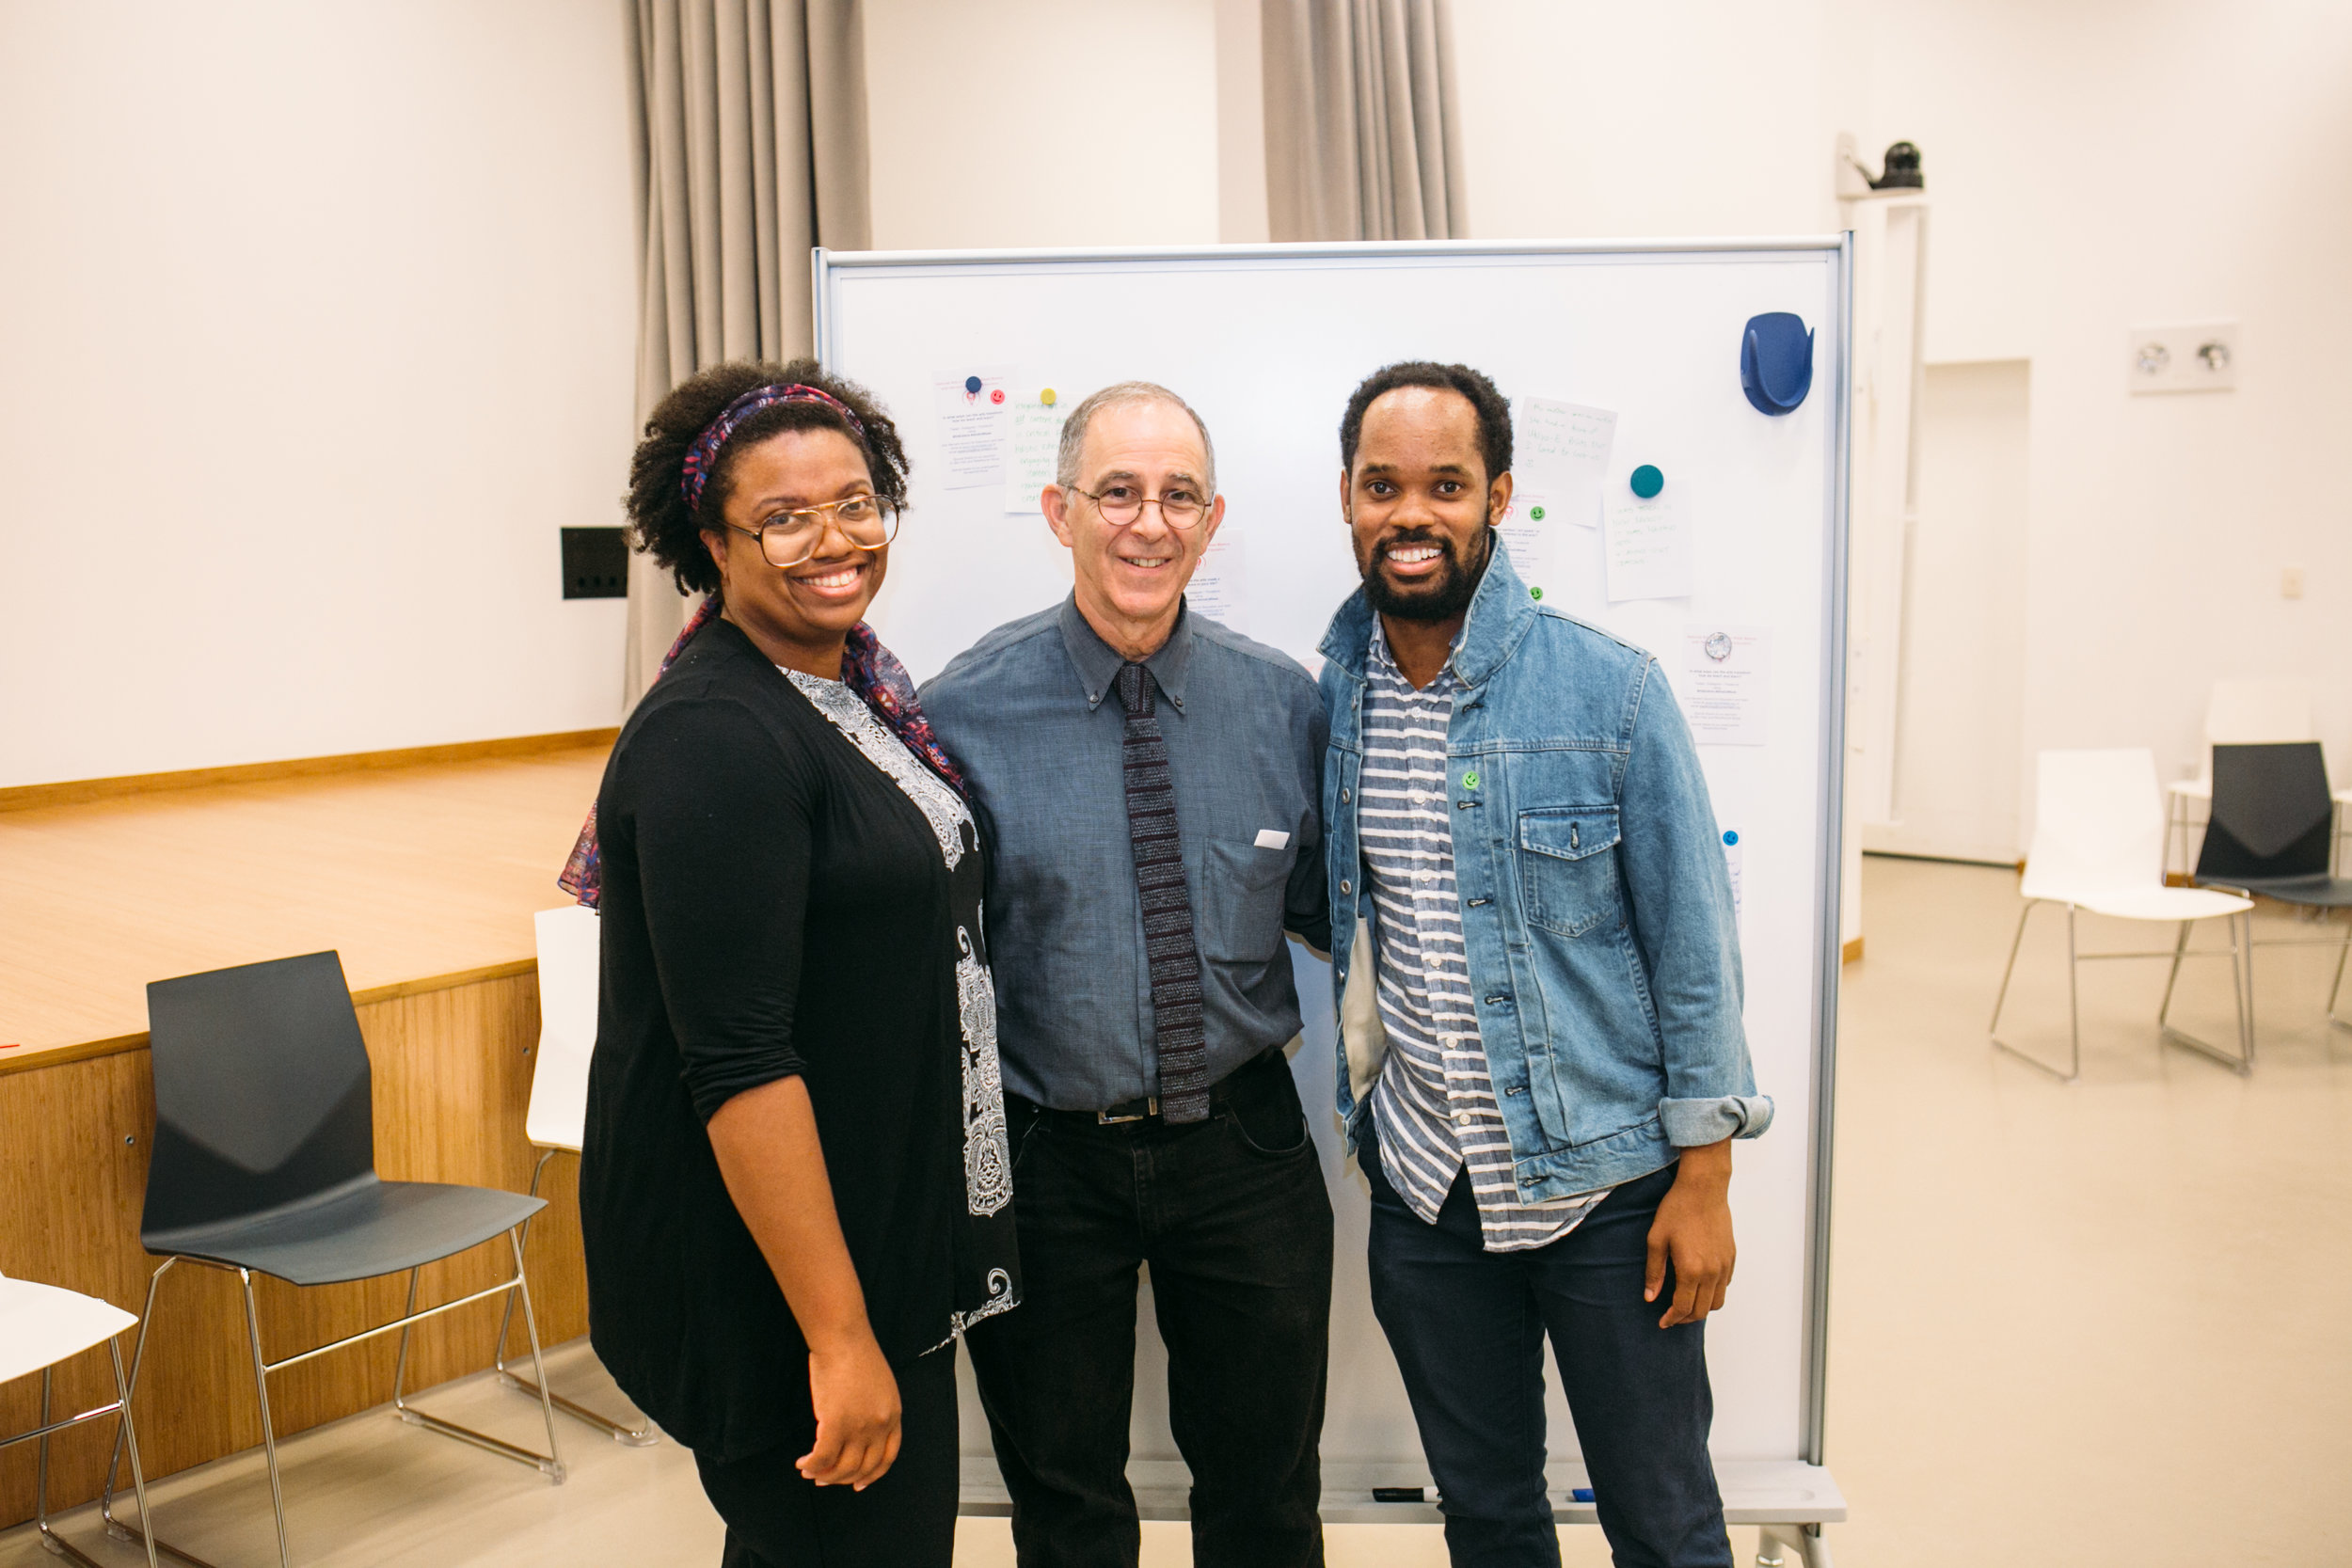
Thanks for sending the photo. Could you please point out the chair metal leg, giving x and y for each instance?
(539, 1367)
(269, 1431)
(2337, 989)
(116, 1529)
(2241, 977)
(550, 1464)
(1992, 1030)
(57, 1545)
(2023, 915)
(2179, 951)
(636, 1437)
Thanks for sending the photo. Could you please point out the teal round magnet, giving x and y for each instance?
(1534, 513)
(1730, 839)
(1647, 481)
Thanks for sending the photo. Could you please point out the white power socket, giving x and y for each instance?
(2184, 356)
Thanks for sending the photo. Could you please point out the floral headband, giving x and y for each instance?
(703, 453)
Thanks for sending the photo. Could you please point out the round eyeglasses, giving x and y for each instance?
(868, 522)
(1121, 506)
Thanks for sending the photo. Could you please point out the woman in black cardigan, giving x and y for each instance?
(795, 1188)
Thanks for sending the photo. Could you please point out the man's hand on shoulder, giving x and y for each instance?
(1692, 1231)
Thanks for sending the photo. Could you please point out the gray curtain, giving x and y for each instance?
(751, 148)
(1363, 138)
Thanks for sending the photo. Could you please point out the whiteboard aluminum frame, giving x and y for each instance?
(824, 264)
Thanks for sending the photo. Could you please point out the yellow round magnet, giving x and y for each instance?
(1046, 397)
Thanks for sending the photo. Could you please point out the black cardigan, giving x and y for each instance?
(773, 905)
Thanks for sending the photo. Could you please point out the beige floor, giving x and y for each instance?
(2104, 1324)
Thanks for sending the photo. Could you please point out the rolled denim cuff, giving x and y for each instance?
(1697, 1123)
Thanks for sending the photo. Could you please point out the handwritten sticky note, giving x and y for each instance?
(1649, 549)
(1562, 457)
(1032, 446)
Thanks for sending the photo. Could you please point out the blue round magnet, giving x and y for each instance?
(972, 383)
(1730, 837)
(1647, 481)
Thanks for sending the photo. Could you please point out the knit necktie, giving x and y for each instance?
(1168, 940)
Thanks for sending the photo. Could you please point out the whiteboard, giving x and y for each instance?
(1266, 343)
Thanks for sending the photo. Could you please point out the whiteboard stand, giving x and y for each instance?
(1266, 341)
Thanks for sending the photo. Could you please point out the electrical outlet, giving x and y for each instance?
(2183, 357)
(596, 564)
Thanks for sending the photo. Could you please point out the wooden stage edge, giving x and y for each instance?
(115, 1045)
(73, 792)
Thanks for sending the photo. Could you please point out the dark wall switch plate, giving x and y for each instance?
(596, 564)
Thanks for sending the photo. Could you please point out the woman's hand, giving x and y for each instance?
(1693, 1230)
(857, 1415)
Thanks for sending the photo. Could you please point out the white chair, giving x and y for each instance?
(567, 939)
(2239, 713)
(2098, 845)
(41, 1325)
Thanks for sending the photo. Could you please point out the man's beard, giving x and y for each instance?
(1445, 598)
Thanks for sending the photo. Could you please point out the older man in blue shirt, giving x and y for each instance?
(1149, 786)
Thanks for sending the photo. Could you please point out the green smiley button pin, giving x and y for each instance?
(1469, 781)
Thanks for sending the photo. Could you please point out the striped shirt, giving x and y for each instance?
(1435, 1100)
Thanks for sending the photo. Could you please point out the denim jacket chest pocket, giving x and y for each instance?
(1568, 872)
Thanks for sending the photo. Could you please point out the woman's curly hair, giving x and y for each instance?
(660, 521)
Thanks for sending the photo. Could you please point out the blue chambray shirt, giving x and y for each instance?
(1031, 715)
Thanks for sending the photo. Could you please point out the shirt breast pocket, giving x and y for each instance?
(1241, 896)
(1567, 874)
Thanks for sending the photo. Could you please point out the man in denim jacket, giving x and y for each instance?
(1541, 1063)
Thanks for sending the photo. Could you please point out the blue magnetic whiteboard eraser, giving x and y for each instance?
(1647, 481)
(1776, 361)
(1582, 1494)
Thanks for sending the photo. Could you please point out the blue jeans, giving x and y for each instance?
(1468, 1328)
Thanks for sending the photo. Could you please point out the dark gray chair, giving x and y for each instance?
(263, 1162)
(2271, 834)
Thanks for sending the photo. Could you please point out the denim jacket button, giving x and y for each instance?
(1345, 888)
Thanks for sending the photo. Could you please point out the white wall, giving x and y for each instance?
(1957, 756)
(2103, 163)
(1583, 119)
(2092, 166)
(316, 324)
(1042, 122)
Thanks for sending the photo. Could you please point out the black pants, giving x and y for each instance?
(1233, 1217)
(777, 1519)
(1468, 1328)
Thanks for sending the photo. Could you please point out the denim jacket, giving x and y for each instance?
(1596, 901)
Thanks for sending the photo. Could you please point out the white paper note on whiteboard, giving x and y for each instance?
(1529, 543)
(1220, 584)
(1727, 692)
(1649, 546)
(1032, 446)
(1561, 459)
(970, 401)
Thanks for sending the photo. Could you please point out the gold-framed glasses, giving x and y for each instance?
(1121, 506)
(789, 538)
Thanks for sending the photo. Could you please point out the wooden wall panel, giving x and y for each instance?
(452, 1082)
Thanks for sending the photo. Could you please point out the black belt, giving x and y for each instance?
(1147, 1107)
